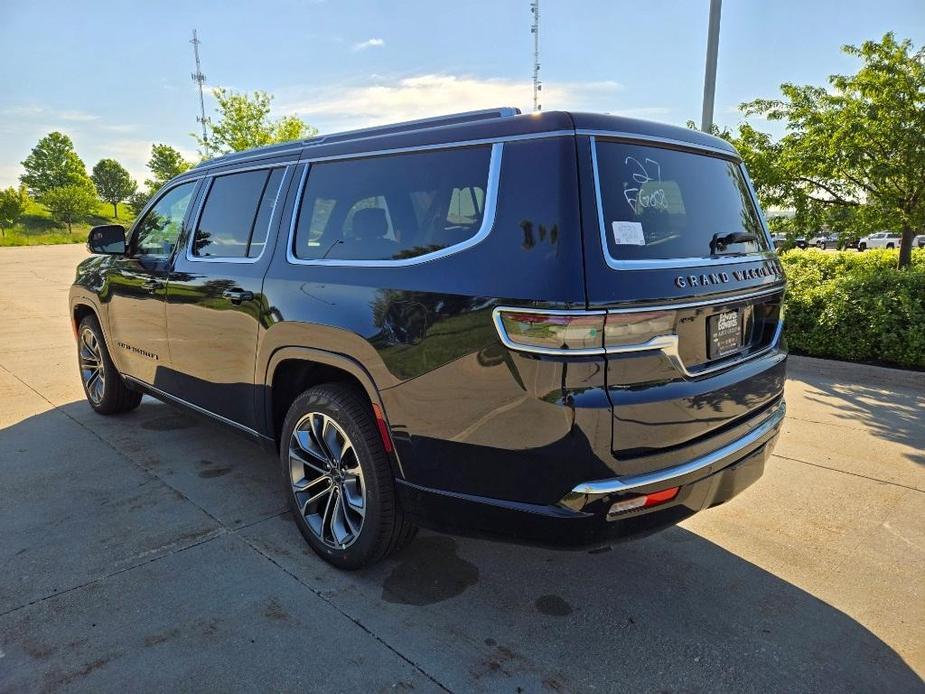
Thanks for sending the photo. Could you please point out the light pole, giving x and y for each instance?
(709, 79)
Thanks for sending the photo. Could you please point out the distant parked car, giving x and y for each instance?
(881, 239)
(846, 242)
(919, 241)
(824, 241)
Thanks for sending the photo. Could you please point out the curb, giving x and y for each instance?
(861, 374)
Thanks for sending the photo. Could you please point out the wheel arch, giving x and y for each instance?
(292, 370)
(81, 310)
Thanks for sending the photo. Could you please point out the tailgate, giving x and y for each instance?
(677, 253)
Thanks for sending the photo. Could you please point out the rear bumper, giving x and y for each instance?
(580, 519)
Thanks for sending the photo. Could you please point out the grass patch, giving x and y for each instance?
(37, 228)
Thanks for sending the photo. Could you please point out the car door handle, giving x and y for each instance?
(238, 295)
(152, 285)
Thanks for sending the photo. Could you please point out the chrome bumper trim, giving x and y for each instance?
(667, 475)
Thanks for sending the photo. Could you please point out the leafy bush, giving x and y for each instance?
(856, 306)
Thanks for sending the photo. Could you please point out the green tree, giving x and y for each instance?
(12, 205)
(857, 144)
(53, 163)
(137, 201)
(244, 122)
(165, 163)
(71, 203)
(113, 183)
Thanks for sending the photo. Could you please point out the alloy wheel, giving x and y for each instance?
(92, 371)
(327, 480)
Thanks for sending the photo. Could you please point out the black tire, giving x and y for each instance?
(890, 246)
(822, 245)
(383, 528)
(862, 247)
(102, 383)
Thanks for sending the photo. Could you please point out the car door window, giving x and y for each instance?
(157, 233)
(236, 215)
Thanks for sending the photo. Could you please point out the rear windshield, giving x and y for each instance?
(662, 203)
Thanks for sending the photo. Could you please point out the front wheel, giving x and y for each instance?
(338, 480)
(862, 247)
(103, 385)
(890, 246)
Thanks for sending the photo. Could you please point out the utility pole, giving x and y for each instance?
(709, 80)
(200, 79)
(535, 30)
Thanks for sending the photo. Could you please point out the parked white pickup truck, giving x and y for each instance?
(880, 239)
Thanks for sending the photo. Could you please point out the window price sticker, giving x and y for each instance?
(628, 234)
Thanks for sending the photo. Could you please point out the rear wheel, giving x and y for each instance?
(339, 483)
(103, 385)
(891, 246)
(862, 247)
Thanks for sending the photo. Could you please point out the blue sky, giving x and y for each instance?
(115, 75)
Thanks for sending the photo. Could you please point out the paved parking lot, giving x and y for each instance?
(151, 551)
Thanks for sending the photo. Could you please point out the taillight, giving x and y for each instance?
(580, 333)
(559, 332)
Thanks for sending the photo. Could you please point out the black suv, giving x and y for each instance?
(558, 328)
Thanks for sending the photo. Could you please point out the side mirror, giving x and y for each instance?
(108, 239)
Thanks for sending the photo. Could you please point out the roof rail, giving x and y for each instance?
(391, 129)
(433, 122)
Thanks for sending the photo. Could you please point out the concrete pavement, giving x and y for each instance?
(151, 551)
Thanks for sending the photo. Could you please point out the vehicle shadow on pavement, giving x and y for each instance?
(149, 561)
(891, 411)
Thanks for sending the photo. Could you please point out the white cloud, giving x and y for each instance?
(76, 116)
(368, 43)
(388, 101)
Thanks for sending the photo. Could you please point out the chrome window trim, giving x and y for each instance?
(156, 198)
(205, 196)
(578, 496)
(395, 150)
(664, 263)
(442, 145)
(488, 218)
(655, 139)
(205, 166)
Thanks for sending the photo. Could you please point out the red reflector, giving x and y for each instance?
(653, 499)
(656, 498)
(383, 428)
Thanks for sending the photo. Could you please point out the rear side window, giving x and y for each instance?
(661, 204)
(392, 207)
(236, 215)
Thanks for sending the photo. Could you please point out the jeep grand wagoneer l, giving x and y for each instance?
(559, 328)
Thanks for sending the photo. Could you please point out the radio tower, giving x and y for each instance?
(535, 30)
(200, 79)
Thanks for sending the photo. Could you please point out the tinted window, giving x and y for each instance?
(662, 203)
(392, 207)
(237, 206)
(265, 213)
(156, 234)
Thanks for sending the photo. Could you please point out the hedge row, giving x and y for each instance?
(856, 306)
